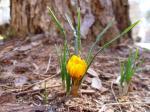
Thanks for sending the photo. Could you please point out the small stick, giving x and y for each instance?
(115, 96)
(123, 103)
(30, 86)
(37, 90)
(127, 103)
(48, 65)
(40, 81)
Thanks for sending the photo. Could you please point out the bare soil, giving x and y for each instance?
(25, 67)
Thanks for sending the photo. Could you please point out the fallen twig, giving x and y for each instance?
(34, 91)
(46, 79)
(48, 65)
(30, 86)
(126, 103)
(121, 103)
(115, 95)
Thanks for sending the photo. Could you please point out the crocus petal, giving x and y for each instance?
(76, 67)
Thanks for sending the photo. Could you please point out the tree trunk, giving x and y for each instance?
(31, 16)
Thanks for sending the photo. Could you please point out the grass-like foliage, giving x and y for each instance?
(129, 67)
(74, 68)
(62, 54)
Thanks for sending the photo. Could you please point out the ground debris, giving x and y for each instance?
(25, 72)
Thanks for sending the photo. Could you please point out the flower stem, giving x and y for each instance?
(75, 87)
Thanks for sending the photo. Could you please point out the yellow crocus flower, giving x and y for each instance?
(76, 67)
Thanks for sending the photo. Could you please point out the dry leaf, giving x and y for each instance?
(143, 45)
(92, 72)
(96, 83)
(24, 48)
(20, 81)
(88, 79)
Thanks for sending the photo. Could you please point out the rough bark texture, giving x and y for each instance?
(31, 16)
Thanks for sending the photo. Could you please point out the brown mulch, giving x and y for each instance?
(25, 67)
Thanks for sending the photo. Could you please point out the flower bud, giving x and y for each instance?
(76, 67)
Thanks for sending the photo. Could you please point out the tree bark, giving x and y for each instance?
(31, 16)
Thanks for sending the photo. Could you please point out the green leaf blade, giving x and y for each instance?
(113, 40)
(58, 24)
(98, 38)
(78, 29)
